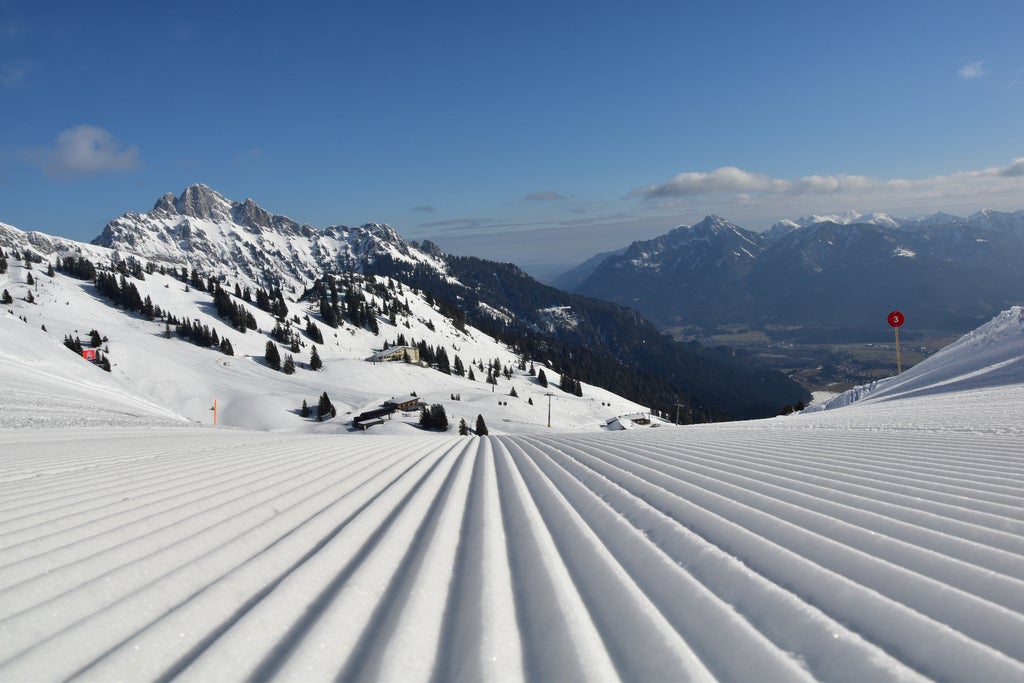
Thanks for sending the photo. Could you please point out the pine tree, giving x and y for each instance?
(272, 355)
(314, 360)
(314, 332)
(434, 417)
(289, 365)
(29, 280)
(463, 427)
(481, 426)
(73, 344)
(443, 365)
(305, 409)
(513, 393)
(439, 417)
(6, 298)
(324, 407)
(542, 379)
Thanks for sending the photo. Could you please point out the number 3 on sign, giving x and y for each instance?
(896, 319)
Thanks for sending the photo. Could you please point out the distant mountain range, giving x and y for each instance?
(212, 238)
(826, 275)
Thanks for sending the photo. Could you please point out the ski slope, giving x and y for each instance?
(882, 540)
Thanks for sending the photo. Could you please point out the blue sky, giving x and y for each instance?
(534, 132)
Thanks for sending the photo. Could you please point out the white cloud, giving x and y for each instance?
(456, 224)
(12, 75)
(972, 70)
(545, 196)
(730, 179)
(741, 194)
(83, 150)
(725, 179)
(1014, 170)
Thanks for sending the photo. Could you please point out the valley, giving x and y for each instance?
(808, 298)
(829, 366)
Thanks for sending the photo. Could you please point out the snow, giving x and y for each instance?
(559, 316)
(880, 540)
(155, 380)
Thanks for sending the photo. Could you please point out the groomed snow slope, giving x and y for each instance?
(880, 541)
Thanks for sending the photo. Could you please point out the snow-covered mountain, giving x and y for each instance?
(985, 219)
(695, 267)
(850, 217)
(880, 541)
(157, 377)
(822, 272)
(202, 229)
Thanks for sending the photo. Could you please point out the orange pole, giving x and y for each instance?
(214, 412)
(899, 365)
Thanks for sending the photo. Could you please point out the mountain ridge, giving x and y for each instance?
(203, 229)
(950, 273)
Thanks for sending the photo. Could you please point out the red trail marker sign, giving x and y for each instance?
(896, 320)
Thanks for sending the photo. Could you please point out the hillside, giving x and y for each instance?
(164, 376)
(882, 540)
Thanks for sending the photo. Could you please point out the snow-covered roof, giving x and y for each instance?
(391, 351)
(402, 400)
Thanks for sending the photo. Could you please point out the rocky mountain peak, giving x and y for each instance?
(428, 247)
(200, 201)
(165, 205)
(713, 222)
(207, 231)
